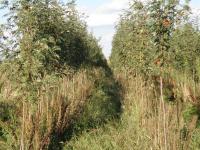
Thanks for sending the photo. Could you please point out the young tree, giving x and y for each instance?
(44, 39)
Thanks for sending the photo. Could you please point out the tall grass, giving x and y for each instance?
(147, 121)
(121, 134)
(36, 125)
(77, 102)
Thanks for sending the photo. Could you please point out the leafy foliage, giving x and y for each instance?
(45, 47)
(142, 42)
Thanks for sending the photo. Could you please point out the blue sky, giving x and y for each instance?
(195, 4)
(102, 16)
(92, 3)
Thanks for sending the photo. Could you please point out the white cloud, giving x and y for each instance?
(102, 20)
(195, 16)
(114, 6)
(196, 11)
(105, 14)
(106, 43)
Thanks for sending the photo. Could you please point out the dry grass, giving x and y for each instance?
(148, 121)
(164, 120)
(53, 112)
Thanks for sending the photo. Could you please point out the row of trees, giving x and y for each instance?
(155, 59)
(156, 34)
(159, 41)
(53, 74)
(52, 35)
(42, 38)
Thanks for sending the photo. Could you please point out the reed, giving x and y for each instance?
(51, 115)
(147, 121)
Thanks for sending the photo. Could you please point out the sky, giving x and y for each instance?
(103, 15)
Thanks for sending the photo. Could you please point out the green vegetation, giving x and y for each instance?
(58, 92)
(52, 74)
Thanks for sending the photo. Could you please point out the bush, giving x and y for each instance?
(104, 102)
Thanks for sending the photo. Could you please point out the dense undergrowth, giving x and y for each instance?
(54, 80)
(64, 107)
(141, 124)
(155, 60)
(58, 92)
